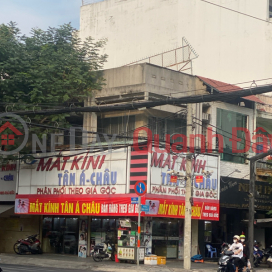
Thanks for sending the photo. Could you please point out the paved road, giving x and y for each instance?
(18, 268)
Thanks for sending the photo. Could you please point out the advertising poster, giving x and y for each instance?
(141, 253)
(132, 241)
(153, 206)
(21, 205)
(148, 243)
(126, 253)
(82, 240)
(148, 235)
(148, 226)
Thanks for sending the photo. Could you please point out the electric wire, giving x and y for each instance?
(169, 100)
(61, 106)
(161, 142)
(236, 11)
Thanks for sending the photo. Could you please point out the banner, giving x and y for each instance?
(168, 207)
(119, 205)
(82, 241)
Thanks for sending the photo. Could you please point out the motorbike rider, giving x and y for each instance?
(237, 249)
(245, 250)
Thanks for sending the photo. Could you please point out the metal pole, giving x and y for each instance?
(188, 194)
(139, 231)
(251, 211)
(251, 202)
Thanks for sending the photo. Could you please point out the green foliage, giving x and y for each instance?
(52, 68)
(49, 69)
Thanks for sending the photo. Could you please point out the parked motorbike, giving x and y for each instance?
(29, 245)
(267, 253)
(226, 260)
(258, 255)
(103, 250)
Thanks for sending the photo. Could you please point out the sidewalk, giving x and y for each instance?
(73, 262)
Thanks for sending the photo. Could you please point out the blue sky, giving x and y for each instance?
(40, 13)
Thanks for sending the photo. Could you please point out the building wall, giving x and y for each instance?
(267, 103)
(149, 78)
(228, 43)
(13, 228)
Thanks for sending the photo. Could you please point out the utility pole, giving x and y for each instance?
(188, 194)
(251, 202)
(251, 211)
(139, 231)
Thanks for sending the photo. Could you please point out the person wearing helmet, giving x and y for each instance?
(245, 250)
(237, 249)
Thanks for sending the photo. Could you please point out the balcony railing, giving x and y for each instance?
(264, 165)
(88, 2)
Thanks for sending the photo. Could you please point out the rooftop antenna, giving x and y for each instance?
(178, 59)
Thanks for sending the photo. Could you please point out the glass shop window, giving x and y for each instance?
(208, 231)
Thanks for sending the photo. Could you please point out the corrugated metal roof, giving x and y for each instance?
(223, 87)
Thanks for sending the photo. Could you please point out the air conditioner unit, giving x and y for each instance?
(206, 117)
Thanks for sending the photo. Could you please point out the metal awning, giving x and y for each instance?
(4, 208)
(264, 220)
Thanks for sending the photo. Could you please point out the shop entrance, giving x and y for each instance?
(165, 237)
(60, 235)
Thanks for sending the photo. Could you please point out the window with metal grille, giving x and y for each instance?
(163, 126)
(123, 125)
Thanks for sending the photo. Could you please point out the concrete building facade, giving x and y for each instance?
(149, 82)
(232, 46)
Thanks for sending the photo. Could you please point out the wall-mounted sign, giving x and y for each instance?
(97, 174)
(8, 176)
(238, 189)
(207, 187)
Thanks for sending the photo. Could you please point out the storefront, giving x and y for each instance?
(234, 212)
(12, 226)
(96, 191)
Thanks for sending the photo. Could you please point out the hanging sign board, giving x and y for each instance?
(199, 179)
(125, 223)
(174, 179)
